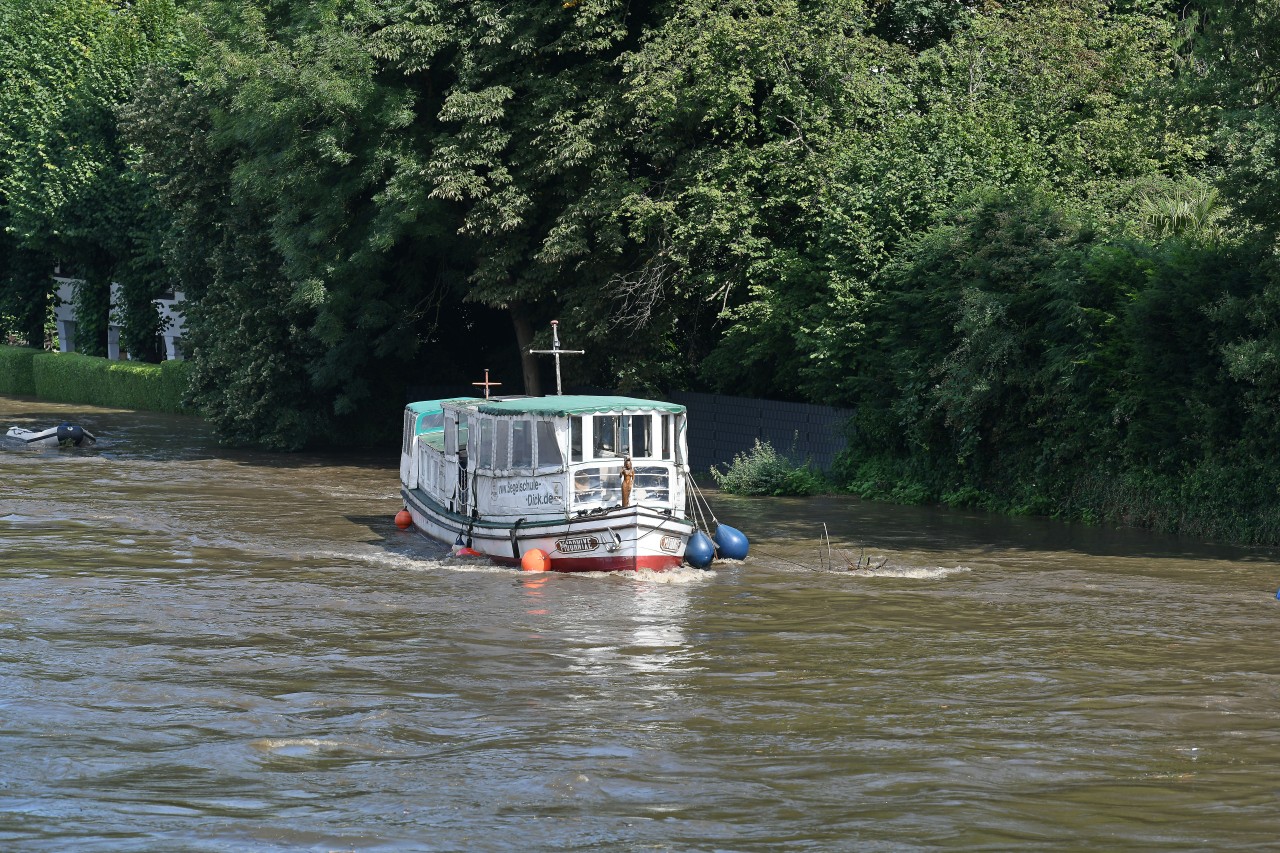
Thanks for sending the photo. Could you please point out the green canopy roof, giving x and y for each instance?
(575, 404)
(426, 406)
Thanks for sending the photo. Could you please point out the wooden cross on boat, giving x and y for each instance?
(556, 351)
(486, 383)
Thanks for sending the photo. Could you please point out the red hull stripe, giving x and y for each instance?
(654, 563)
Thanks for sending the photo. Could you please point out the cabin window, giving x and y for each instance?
(409, 418)
(549, 455)
(641, 436)
(598, 485)
(521, 444)
(606, 436)
(666, 436)
(451, 439)
(613, 436)
(462, 434)
(486, 444)
(653, 483)
(575, 439)
(502, 458)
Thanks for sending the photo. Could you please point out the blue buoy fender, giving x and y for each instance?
(731, 543)
(700, 551)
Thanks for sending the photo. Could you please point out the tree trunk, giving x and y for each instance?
(528, 362)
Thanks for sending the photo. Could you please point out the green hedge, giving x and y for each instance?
(75, 378)
(17, 378)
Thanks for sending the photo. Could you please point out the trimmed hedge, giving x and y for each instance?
(75, 378)
(17, 377)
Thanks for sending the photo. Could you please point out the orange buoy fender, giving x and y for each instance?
(535, 560)
(403, 519)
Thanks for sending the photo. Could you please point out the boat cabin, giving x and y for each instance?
(545, 457)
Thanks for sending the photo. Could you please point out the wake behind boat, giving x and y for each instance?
(62, 435)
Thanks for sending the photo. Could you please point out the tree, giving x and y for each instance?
(66, 192)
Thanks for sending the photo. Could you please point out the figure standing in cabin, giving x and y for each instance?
(628, 477)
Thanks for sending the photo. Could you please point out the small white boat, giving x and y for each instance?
(596, 483)
(62, 435)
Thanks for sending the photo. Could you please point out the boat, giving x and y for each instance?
(575, 482)
(62, 435)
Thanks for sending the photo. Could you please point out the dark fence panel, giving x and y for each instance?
(721, 426)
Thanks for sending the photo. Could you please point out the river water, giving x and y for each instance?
(204, 649)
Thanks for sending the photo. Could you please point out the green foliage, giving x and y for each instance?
(76, 378)
(1032, 243)
(764, 471)
(17, 378)
(1233, 95)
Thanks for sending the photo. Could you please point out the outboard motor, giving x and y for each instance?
(70, 435)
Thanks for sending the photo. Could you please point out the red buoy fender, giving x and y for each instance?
(535, 560)
(404, 519)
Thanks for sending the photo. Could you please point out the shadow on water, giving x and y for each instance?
(855, 524)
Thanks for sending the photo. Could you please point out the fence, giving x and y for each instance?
(721, 426)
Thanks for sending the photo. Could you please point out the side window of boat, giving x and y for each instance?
(642, 436)
(575, 439)
(606, 436)
(503, 429)
(522, 444)
(462, 435)
(409, 418)
(549, 455)
(666, 436)
(624, 435)
(450, 437)
(486, 443)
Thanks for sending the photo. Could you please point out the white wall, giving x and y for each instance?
(172, 321)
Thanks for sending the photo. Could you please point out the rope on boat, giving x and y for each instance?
(698, 502)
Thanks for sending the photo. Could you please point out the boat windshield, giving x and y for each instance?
(602, 484)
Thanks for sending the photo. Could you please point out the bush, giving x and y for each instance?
(75, 378)
(764, 471)
(17, 378)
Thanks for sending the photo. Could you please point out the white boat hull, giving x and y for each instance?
(617, 539)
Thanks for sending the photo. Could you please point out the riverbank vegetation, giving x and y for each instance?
(1033, 243)
(75, 378)
(764, 471)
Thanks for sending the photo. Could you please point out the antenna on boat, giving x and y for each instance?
(486, 383)
(556, 351)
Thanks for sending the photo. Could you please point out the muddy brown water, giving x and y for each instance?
(204, 649)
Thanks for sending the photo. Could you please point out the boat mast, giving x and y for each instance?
(556, 352)
(487, 384)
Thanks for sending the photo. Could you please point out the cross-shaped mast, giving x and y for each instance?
(556, 352)
(486, 383)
